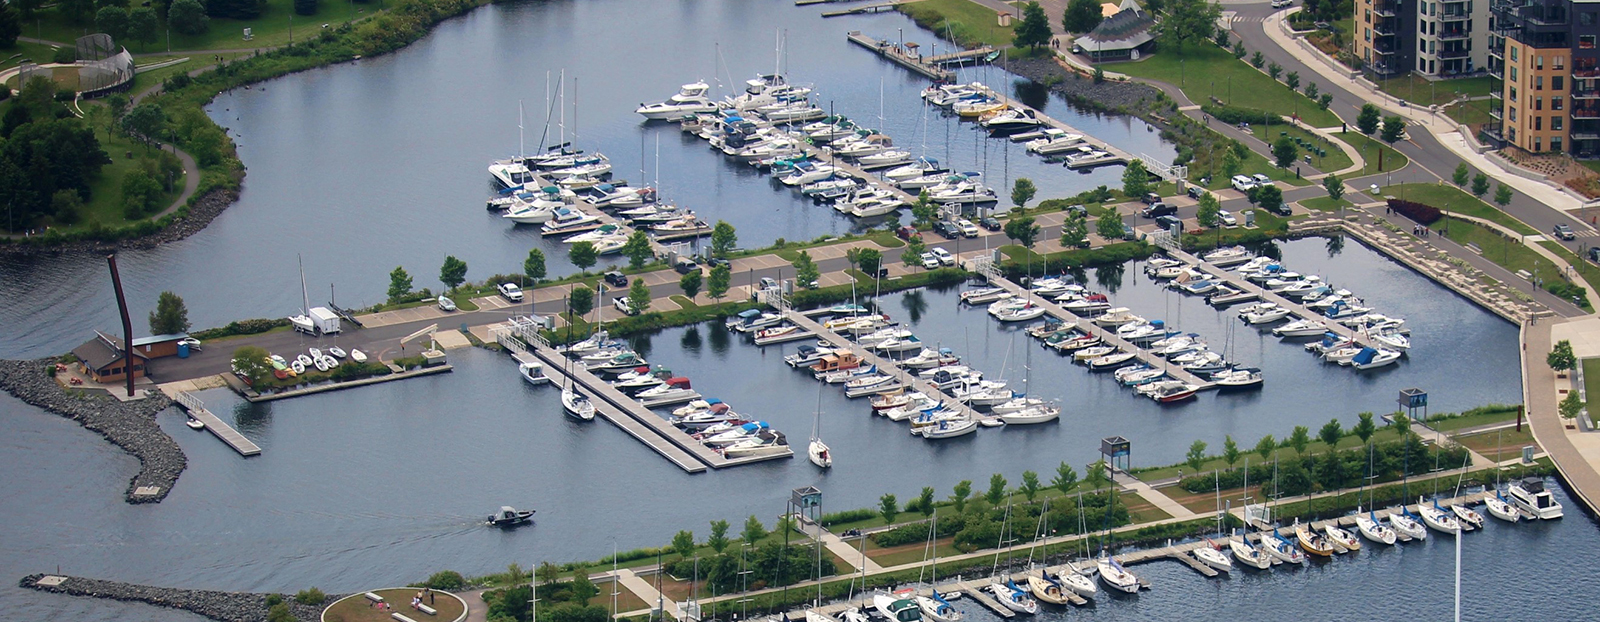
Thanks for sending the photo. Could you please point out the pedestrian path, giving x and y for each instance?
(1155, 497)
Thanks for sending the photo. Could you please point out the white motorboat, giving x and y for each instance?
(868, 385)
(570, 220)
(1213, 557)
(1116, 317)
(690, 99)
(917, 168)
(1438, 519)
(715, 437)
(1264, 313)
(1020, 314)
(1248, 554)
(897, 609)
(1530, 495)
(576, 404)
(1035, 414)
(1301, 328)
(358, 356)
(1093, 352)
(1341, 356)
(898, 344)
(510, 174)
(807, 172)
(870, 204)
(1392, 340)
(1054, 141)
(194, 424)
(983, 295)
(1238, 378)
(1012, 120)
(1405, 524)
(674, 390)
(884, 159)
(1223, 257)
(765, 442)
(929, 358)
(1115, 576)
(1373, 529)
(795, 112)
(1369, 358)
(966, 192)
(533, 372)
(1014, 598)
(1502, 509)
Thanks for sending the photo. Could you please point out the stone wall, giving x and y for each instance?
(221, 606)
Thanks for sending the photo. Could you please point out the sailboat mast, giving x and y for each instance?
(521, 144)
(305, 298)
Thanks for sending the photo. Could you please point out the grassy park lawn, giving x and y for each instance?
(1509, 254)
(105, 201)
(272, 29)
(357, 608)
(1335, 161)
(1500, 444)
(1218, 74)
(1457, 201)
(1475, 418)
(1469, 113)
(908, 553)
(1423, 92)
(626, 599)
(1255, 163)
(1369, 149)
(1325, 204)
(967, 22)
(1383, 434)
(1591, 382)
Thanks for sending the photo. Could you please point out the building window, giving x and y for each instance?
(1538, 123)
(1558, 83)
(1538, 144)
(1369, 17)
(1561, 62)
(1538, 103)
(1556, 103)
(1586, 18)
(1369, 34)
(1555, 143)
(1538, 83)
(1513, 114)
(1513, 74)
(1585, 42)
(1555, 124)
(1513, 94)
(1514, 53)
(1538, 61)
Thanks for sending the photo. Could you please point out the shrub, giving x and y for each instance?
(1234, 115)
(847, 516)
(310, 596)
(274, 600)
(1417, 212)
(240, 327)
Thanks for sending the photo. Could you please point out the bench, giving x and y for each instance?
(428, 610)
(373, 597)
(1526, 276)
(400, 618)
(1473, 246)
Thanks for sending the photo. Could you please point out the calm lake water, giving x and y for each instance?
(364, 166)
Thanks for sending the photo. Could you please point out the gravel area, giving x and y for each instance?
(221, 606)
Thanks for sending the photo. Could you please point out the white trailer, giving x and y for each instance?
(324, 320)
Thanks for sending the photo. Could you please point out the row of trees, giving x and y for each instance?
(1479, 184)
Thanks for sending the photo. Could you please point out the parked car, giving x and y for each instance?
(446, 304)
(883, 273)
(620, 303)
(1262, 180)
(616, 279)
(767, 283)
(947, 229)
(1151, 198)
(1242, 183)
(907, 232)
(194, 344)
(1278, 4)
(943, 256)
(968, 230)
(1565, 232)
(1195, 192)
(510, 291)
(1226, 218)
(930, 261)
(993, 224)
(1594, 254)
(712, 262)
(686, 265)
(1282, 210)
(1168, 221)
(1078, 209)
(1158, 210)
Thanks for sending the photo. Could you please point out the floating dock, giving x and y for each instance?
(906, 379)
(869, 8)
(628, 413)
(215, 425)
(1109, 337)
(896, 53)
(1297, 311)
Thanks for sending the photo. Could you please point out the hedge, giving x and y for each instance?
(240, 327)
(1417, 212)
(1234, 115)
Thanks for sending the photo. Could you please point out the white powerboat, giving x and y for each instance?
(1530, 495)
(533, 372)
(916, 168)
(1054, 141)
(1264, 313)
(897, 609)
(690, 99)
(1035, 414)
(1369, 358)
(1301, 328)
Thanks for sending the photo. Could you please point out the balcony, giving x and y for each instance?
(1585, 72)
(1494, 112)
(1586, 112)
(1497, 73)
(1384, 69)
(1384, 50)
(1589, 94)
(1383, 30)
(1453, 35)
(1454, 16)
(1453, 53)
(1385, 10)
(1585, 135)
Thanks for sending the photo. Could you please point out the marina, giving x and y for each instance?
(215, 425)
(1298, 311)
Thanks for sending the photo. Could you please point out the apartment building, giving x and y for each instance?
(1544, 57)
(1444, 39)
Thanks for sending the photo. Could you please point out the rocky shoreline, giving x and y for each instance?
(1112, 96)
(129, 425)
(221, 606)
(201, 212)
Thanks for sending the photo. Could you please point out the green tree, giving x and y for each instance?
(1030, 485)
(548, 573)
(1333, 186)
(580, 302)
(1274, 70)
(1189, 20)
(1330, 434)
(638, 297)
(853, 256)
(1231, 164)
(280, 612)
(533, 266)
(1480, 185)
(690, 284)
(1074, 230)
(1269, 197)
(1401, 424)
(754, 531)
(997, 489)
(923, 211)
(1196, 455)
(1109, 225)
(453, 272)
(188, 17)
(583, 255)
(1561, 357)
(1502, 195)
(251, 364)
(1324, 100)
(1238, 49)
(963, 489)
(1034, 29)
(1230, 451)
(1081, 16)
(1394, 128)
(870, 259)
(1266, 446)
(1022, 230)
(582, 588)
(1364, 428)
(723, 239)
(721, 279)
(805, 270)
(399, 284)
(1022, 191)
(143, 26)
(1461, 175)
(112, 20)
(1299, 439)
(1209, 216)
(637, 249)
(141, 194)
(1570, 406)
(925, 501)
(1221, 38)
(718, 540)
(171, 315)
(1135, 180)
(1367, 121)
(888, 508)
(1258, 60)
(11, 23)
(145, 121)
(912, 255)
(305, 7)
(1066, 478)
(1293, 80)
(1311, 90)
(66, 206)
(1097, 474)
(683, 544)
(1284, 151)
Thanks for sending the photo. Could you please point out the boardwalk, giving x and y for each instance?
(884, 365)
(899, 55)
(218, 428)
(1296, 309)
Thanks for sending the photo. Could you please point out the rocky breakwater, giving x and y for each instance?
(221, 606)
(1126, 97)
(130, 425)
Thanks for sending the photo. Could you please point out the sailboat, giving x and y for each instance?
(576, 404)
(817, 450)
(302, 322)
(1498, 506)
(935, 607)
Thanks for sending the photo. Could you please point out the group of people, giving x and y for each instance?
(1420, 231)
(416, 601)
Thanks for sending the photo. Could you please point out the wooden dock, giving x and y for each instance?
(223, 431)
(895, 53)
(907, 379)
(1296, 310)
(869, 8)
(642, 423)
(1108, 336)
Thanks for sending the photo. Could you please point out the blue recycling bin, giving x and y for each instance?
(183, 350)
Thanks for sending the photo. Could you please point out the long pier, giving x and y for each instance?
(1107, 336)
(215, 425)
(897, 54)
(629, 414)
(605, 217)
(1296, 309)
(907, 379)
